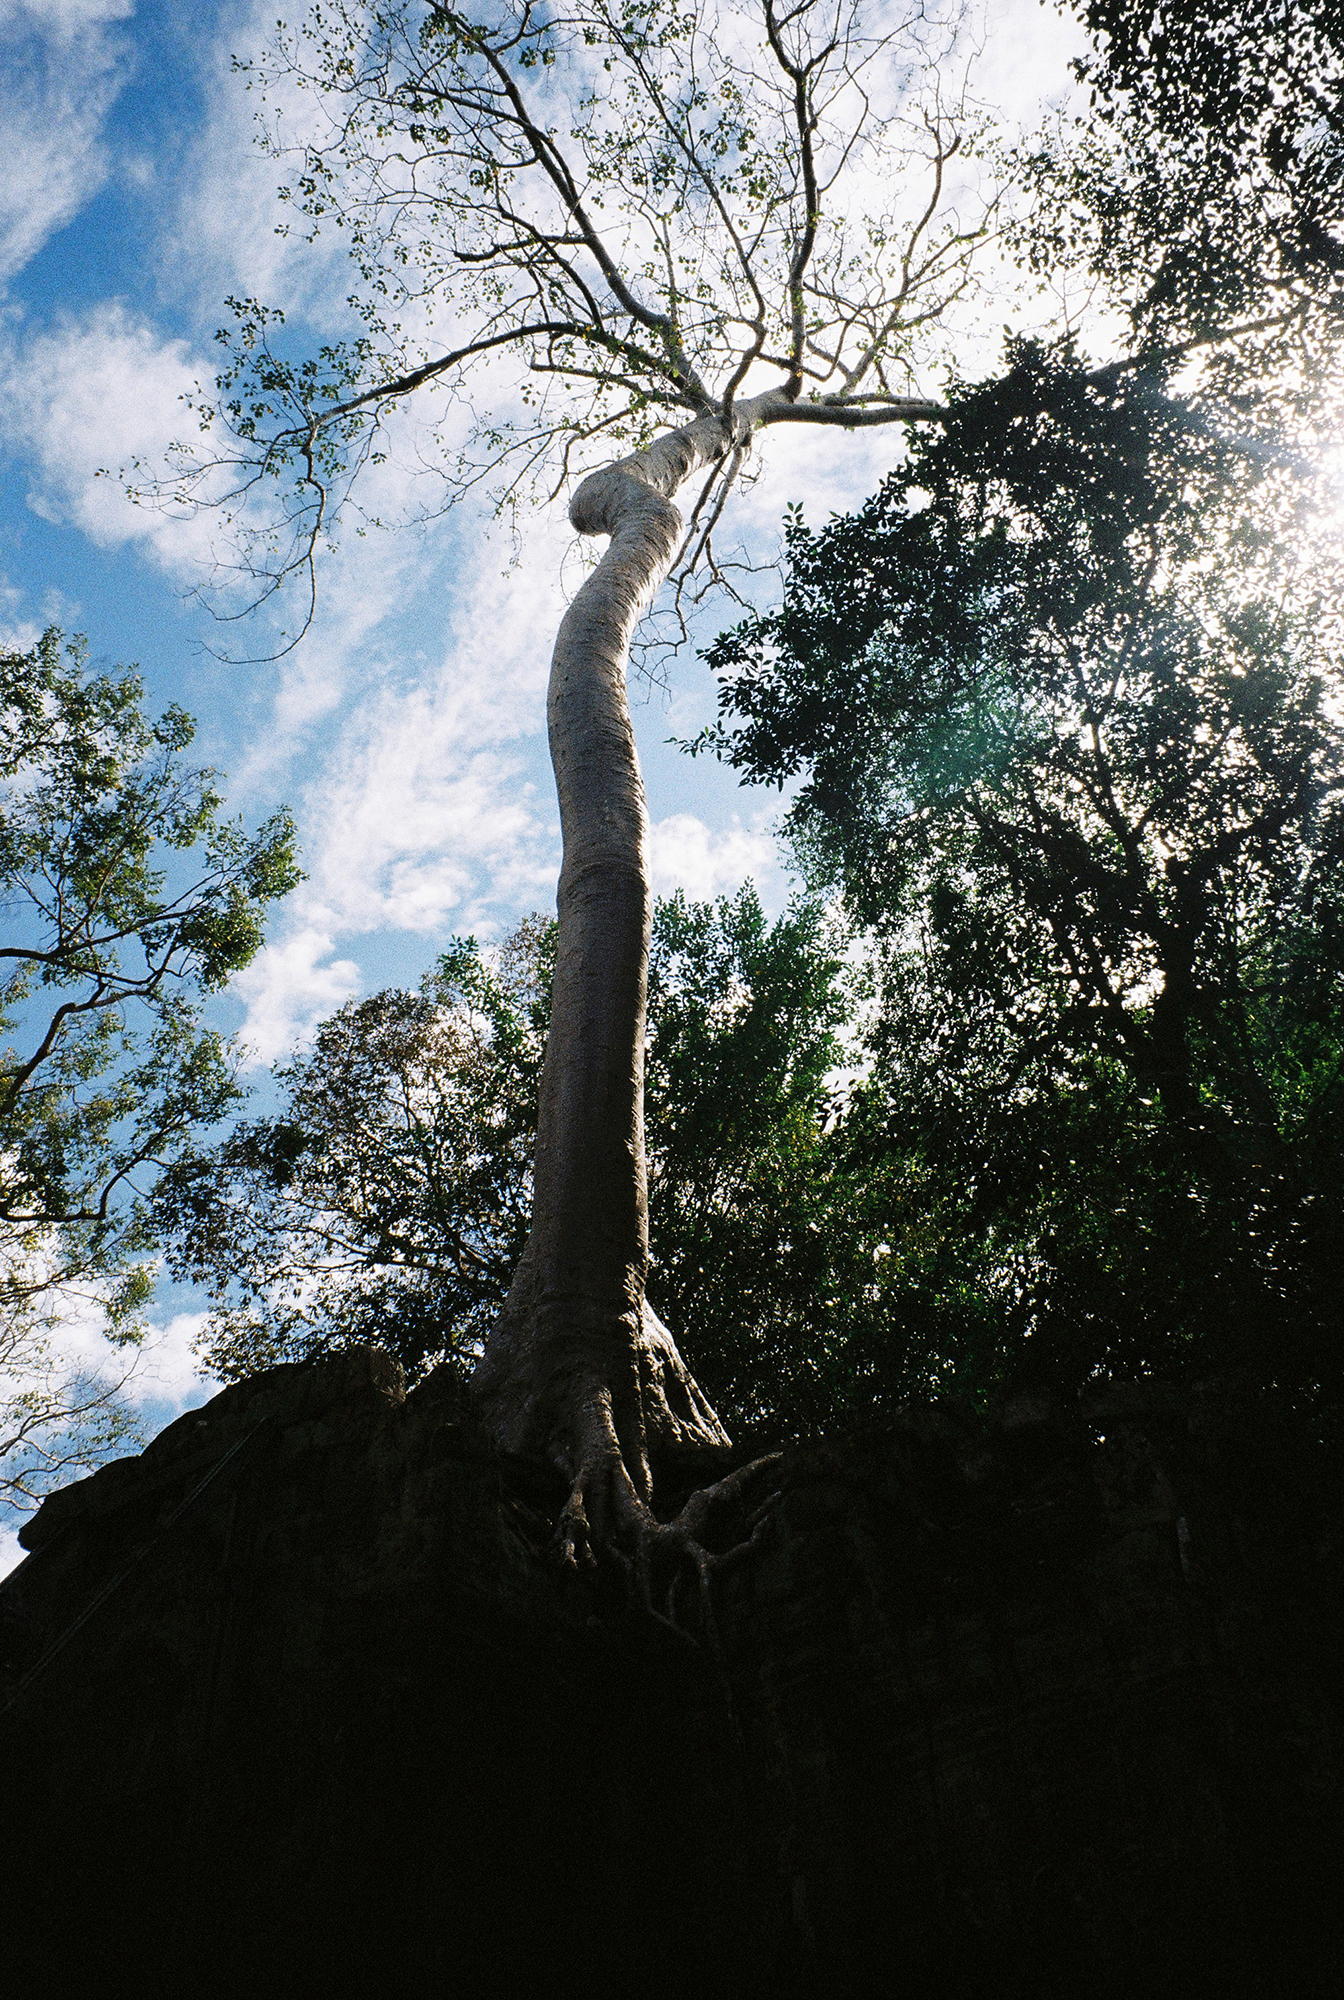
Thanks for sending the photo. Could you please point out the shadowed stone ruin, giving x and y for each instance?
(299, 1700)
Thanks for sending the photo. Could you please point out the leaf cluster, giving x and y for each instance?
(1205, 189)
(127, 899)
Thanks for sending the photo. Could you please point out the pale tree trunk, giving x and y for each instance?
(579, 1370)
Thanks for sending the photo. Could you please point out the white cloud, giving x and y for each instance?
(62, 21)
(706, 862)
(433, 811)
(83, 1345)
(16, 636)
(64, 66)
(291, 985)
(1030, 50)
(438, 797)
(87, 398)
(168, 1378)
(105, 394)
(230, 232)
(159, 1378)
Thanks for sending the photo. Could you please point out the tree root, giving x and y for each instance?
(601, 1395)
(606, 1518)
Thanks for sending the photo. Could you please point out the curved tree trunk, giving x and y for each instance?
(579, 1370)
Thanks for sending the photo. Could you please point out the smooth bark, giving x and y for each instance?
(579, 1370)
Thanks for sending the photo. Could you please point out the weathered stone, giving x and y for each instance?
(299, 1699)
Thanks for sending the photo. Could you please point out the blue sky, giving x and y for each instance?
(407, 730)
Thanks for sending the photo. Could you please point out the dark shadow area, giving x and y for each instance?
(300, 1701)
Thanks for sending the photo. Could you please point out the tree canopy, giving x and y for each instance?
(1064, 703)
(128, 899)
(1206, 189)
(1064, 697)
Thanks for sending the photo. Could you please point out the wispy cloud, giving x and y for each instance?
(433, 812)
(227, 231)
(64, 63)
(431, 802)
(161, 1371)
(168, 1375)
(87, 397)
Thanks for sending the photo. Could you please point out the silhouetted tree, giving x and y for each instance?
(1066, 700)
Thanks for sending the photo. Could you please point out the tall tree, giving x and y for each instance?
(641, 207)
(128, 899)
(666, 216)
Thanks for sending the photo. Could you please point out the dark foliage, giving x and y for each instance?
(1065, 699)
(1206, 188)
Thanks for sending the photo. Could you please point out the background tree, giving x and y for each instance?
(127, 899)
(1066, 699)
(1205, 191)
(389, 1198)
(751, 1026)
(1086, 784)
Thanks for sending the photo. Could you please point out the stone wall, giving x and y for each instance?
(299, 1701)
